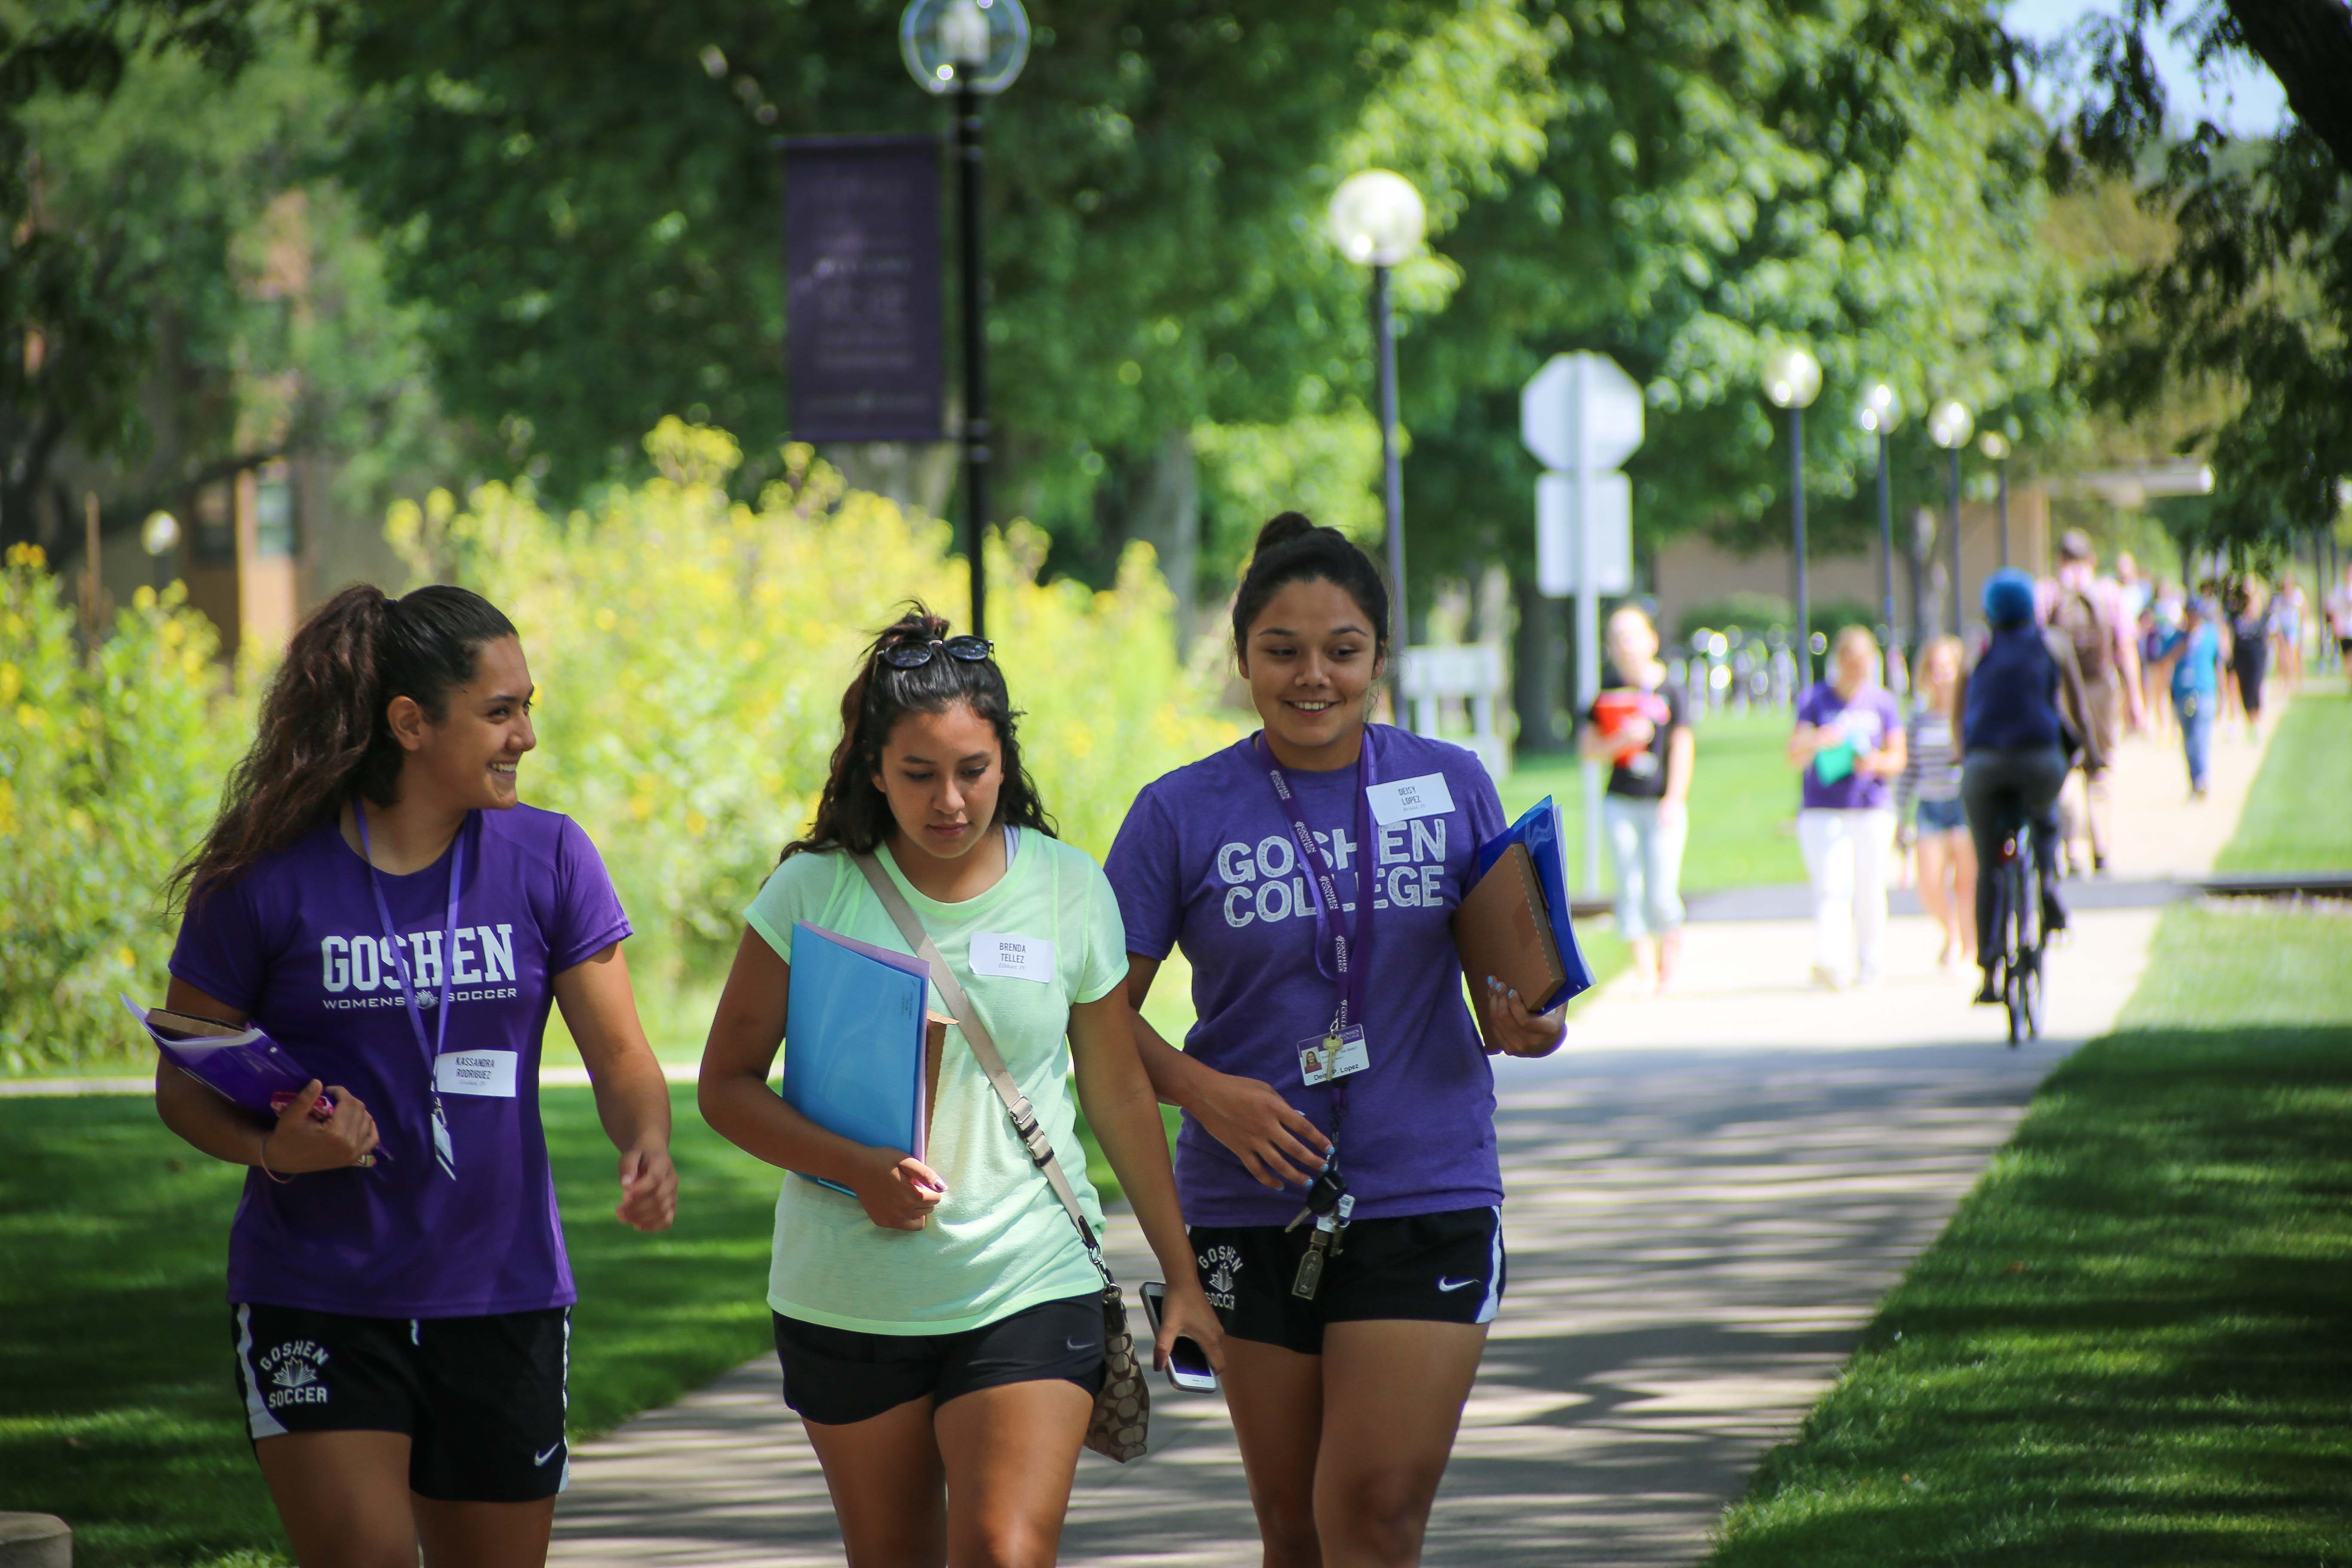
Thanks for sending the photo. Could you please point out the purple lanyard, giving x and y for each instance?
(443, 1151)
(1349, 949)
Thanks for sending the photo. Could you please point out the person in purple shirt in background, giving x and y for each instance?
(1334, 1063)
(1849, 743)
(375, 899)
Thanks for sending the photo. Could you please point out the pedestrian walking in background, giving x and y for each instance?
(2289, 616)
(2250, 647)
(1310, 873)
(941, 1321)
(2094, 615)
(2191, 653)
(2339, 619)
(375, 898)
(1642, 731)
(2137, 587)
(1929, 795)
(1848, 744)
(2158, 621)
(2016, 705)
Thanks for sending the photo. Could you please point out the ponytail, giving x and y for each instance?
(1290, 549)
(852, 814)
(324, 733)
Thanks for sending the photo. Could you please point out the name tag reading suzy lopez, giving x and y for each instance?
(476, 1072)
(1408, 798)
(1326, 1056)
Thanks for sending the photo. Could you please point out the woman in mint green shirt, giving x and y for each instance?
(941, 1330)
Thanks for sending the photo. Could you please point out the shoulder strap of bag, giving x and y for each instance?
(975, 1033)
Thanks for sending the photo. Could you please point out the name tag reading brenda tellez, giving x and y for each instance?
(1011, 957)
(476, 1072)
(1405, 799)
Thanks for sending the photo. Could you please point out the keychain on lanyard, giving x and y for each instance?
(1342, 1051)
(443, 1152)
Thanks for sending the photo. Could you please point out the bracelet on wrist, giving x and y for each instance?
(281, 1180)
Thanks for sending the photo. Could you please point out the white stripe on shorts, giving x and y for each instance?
(1493, 1304)
(259, 1421)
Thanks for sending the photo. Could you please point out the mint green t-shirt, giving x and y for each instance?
(999, 1242)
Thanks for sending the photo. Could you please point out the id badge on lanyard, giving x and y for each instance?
(1343, 1049)
(445, 1153)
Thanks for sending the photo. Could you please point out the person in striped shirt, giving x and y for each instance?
(1927, 805)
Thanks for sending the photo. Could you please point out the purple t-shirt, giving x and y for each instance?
(298, 944)
(1205, 861)
(1867, 722)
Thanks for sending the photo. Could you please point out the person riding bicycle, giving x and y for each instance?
(2021, 706)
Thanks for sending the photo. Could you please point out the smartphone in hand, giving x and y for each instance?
(1188, 1364)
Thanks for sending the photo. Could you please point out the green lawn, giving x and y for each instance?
(2129, 1347)
(2297, 819)
(117, 1408)
(1743, 805)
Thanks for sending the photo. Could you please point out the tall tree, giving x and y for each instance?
(182, 293)
(2256, 296)
(587, 202)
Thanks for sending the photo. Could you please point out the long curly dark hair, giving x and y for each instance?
(854, 815)
(324, 734)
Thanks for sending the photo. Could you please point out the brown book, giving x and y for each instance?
(1503, 927)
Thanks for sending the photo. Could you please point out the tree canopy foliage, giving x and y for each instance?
(571, 212)
(190, 295)
(2256, 295)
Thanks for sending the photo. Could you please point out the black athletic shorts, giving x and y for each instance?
(482, 1399)
(1444, 1267)
(836, 1376)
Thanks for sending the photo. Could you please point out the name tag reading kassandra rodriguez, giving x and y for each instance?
(1408, 798)
(1011, 957)
(476, 1072)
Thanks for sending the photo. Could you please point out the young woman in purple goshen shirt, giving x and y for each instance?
(375, 898)
(1344, 1398)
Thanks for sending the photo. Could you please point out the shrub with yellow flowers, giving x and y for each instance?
(691, 654)
(111, 760)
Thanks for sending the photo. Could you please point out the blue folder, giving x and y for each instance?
(1539, 830)
(853, 1034)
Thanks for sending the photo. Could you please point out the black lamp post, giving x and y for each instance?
(1881, 412)
(1792, 379)
(1376, 220)
(1995, 446)
(973, 50)
(1949, 426)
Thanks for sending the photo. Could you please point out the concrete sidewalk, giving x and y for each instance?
(1709, 1192)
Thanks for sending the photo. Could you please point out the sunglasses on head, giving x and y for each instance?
(914, 655)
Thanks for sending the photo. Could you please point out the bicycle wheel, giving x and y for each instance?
(2016, 932)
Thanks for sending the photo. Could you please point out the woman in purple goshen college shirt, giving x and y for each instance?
(374, 897)
(1352, 1338)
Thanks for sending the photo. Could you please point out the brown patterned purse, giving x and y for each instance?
(1122, 1427)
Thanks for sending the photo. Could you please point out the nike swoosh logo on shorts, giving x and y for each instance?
(1078, 1344)
(1452, 1285)
(550, 1454)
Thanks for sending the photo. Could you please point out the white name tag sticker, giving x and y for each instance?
(1408, 798)
(1011, 957)
(476, 1072)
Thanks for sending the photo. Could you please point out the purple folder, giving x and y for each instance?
(245, 1066)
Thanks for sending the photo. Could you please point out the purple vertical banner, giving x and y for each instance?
(862, 335)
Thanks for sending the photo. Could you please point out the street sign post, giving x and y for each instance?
(1581, 417)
